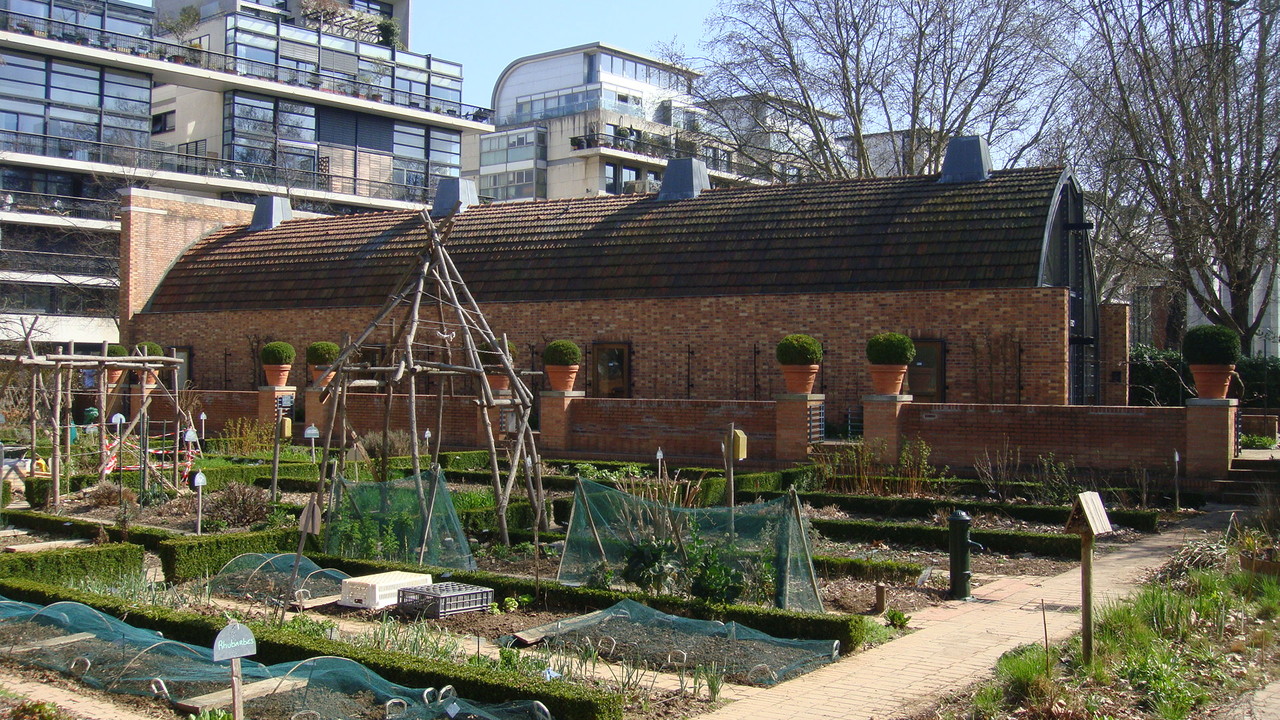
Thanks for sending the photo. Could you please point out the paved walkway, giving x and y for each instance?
(958, 643)
(77, 704)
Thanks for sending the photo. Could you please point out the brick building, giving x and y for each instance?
(681, 294)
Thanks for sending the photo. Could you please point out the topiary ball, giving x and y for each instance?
(151, 349)
(1211, 345)
(561, 352)
(322, 353)
(799, 349)
(277, 353)
(117, 351)
(489, 354)
(890, 348)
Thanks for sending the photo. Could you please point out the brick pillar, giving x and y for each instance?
(1113, 354)
(138, 393)
(314, 409)
(1211, 437)
(553, 421)
(882, 424)
(791, 424)
(267, 395)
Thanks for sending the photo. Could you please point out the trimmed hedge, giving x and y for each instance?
(1143, 520)
(111, 560)
(1003, 541)
(191, 558)
(483, 684)
(873, 570)
(850, 630)
(150, 538)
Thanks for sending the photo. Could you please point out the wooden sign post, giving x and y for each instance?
(234, 642)
(1089, 518)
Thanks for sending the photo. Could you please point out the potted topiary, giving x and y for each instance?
(889, 354)
(491, 360)
(321, 354)
(1212, 352)
(150, 349)
(560, 362)
(115, 351)
(277, 360)
(800, 357)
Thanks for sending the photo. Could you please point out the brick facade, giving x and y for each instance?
(1113, 353)
(682, 428)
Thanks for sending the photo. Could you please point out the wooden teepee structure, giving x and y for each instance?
(436, 328)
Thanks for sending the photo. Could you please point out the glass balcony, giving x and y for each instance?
(212, 167)
(219, 62)
(56, 205)
(666, 147)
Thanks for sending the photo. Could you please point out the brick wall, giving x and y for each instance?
(682, 428)
(1114, 438)
(1005, 346)
(1113, 353)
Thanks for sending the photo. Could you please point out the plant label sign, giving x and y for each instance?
(234, 641)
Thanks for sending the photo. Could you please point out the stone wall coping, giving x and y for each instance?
(1212, 402)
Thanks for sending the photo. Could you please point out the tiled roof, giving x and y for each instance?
(861, 235)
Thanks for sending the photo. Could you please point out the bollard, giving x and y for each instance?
(961, 545)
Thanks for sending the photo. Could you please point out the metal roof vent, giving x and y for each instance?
(684, 179)
(452, 191)
(968, 159)
(269, 211)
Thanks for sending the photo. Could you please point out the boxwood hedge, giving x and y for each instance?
(150, 538)
(109, 560)
(1003, 541)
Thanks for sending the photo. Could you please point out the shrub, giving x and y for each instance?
(1156, 377)
(1257, 442)
(561, 352)
(321, 353)
(245, 436)
(799, 349)
(890, 349)
(489, 354)
(277, 353)
(151, 349)
(117, 351)
(1211, 345)
(238, 505)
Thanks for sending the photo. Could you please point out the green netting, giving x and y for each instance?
(265, 578)
(641, 635)
(108, 654)
(749, 553)
(384, 521)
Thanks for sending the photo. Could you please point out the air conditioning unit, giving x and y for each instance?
(640, 187)
(380, 590)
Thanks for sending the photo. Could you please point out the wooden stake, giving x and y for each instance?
(237, 700)
(1086, 595)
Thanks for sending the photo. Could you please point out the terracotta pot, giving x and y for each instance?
(799, 379)
(1260, 566)
(277, 375)
(887, 379)
(320, 378)
(113, 376)
(1212, 381)
(498, 382)
(149, 377)
(561, 377)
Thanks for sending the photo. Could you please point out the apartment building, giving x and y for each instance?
(593, 120)
(316, 100)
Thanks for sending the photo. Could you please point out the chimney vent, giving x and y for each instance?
(454, 191)
(968, 160)
(269, 211)
(684, 179)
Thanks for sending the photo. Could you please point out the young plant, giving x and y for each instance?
(896, 619)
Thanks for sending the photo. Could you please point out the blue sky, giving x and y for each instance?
(486, 36)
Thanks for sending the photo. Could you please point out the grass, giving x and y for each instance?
(1190, 637)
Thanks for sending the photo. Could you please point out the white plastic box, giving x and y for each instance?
(378, 591)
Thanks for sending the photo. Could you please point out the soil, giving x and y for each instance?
(178, 515)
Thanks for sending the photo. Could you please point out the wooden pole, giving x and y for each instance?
(102, 419)
(237, 699)
(1086, 595)
(177, 422)
(55, 459)
(275, 454)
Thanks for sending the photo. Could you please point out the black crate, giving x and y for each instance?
(441, 599)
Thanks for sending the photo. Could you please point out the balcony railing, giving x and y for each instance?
(664, 147)
(161, 160)
(219, 62)
(57, 205)
(59, 263)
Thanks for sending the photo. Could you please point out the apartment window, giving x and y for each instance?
(515, 185)
(611, 370)
(513, 147)
(164, 122)
(373, 7)
(44, 96)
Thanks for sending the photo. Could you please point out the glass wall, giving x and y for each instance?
(515, 185)
(516, 146)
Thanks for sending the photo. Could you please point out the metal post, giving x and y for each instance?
(961, 574)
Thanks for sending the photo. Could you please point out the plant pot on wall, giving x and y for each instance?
(889, 354)
(561, 377)
(560, 364)
(800, 357)
(277, 361)
(321, 354)
(277, 375)
(1211, 351)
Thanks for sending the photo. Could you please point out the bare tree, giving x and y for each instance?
(842, 88)
(1182, 96)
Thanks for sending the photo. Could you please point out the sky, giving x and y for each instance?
(485, 36)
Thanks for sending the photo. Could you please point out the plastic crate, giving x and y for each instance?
(442, 599)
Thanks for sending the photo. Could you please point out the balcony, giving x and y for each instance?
(212, 167)
(57, 205)
(218, 62)
(664, 147)
(58, 264)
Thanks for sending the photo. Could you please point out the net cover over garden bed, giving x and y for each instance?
(754, 553)
(386, 521)
(639, 634)
(112, 655)
(266, 578)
